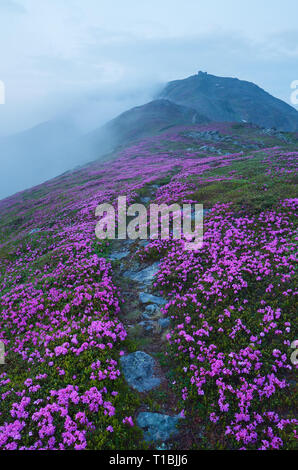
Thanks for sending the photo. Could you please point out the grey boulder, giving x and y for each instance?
(151, 308)
(164, 322)
(148, 326)
(146, 298)
(145, 275)
(117, 255)
(138, 370)
(149, 311)
(157, 427)
(145, 199)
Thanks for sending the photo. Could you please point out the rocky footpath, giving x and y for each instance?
(146, 326)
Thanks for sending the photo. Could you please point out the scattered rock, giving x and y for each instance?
(163, 446)
(210, 136)
(138, 370)
(148, 326)
(210, 148)
(201, 432)
(146, 298)
(145, 200)
(150, 311)
(157, 427)
(151, 308)
(128, 242)
(145, 316)
(145, 275)
(144, 243)
(196, 214)
(275, 133)
(164, 322)
(117, 255)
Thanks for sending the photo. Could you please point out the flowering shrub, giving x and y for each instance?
(233, 323)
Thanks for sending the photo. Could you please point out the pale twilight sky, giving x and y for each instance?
(95, 58)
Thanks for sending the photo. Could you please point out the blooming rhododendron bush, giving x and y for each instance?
(234, 320)
(63, 338)
(231, 304)
(61, 388)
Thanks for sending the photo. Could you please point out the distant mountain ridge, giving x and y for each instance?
(56, 146)
(231, 99)
(197, 99)
(37, 154)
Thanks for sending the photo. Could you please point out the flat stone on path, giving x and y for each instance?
(144, 243)
(164, 322)
(117, 255)
(147, 325)
(146, 298)
(145, 199)
(157, 427)
(145, 275)
(149, 311)
(138, 370)
(151, 308)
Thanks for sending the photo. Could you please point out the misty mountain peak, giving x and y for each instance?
(230, 99)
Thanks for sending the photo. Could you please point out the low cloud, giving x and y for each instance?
(10, 6)
(87, 62)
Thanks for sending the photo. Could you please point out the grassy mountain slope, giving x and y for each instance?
(226, 353)
(140, 122)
